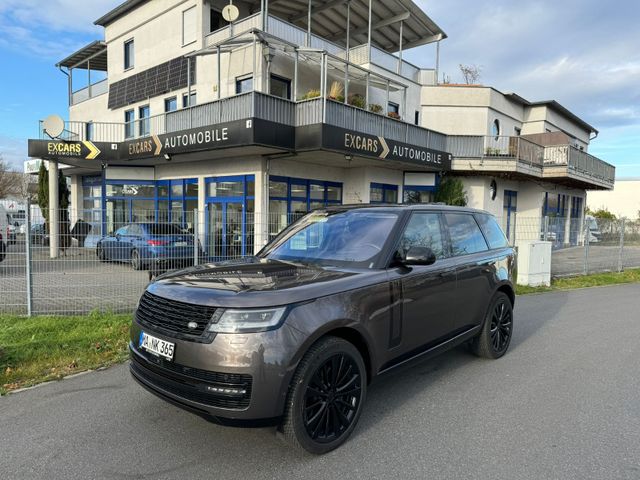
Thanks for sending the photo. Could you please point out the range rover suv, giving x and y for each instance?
(293, 336)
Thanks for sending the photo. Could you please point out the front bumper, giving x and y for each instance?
(235, 379)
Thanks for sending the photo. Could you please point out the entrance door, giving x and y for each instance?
(226, 230)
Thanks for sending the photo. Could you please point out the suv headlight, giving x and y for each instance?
(247, 321)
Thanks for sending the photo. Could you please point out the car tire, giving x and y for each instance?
(325, 401)
(101, 253)
(136, 261)
(497, 330)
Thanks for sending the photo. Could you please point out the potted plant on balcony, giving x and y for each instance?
(394, 115)
(375, 107)
(311, 94)
(357, 100)
(336, 92)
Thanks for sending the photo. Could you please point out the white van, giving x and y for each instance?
(5, 230)
(593, 229)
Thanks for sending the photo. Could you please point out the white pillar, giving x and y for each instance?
(54, 224)
(202, 206)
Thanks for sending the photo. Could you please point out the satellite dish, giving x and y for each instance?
(230, 13)
(53, 126)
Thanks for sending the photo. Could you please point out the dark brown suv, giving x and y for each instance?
(294, 335)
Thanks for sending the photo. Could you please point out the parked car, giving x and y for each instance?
(39, 235)
(5, 226)
(593, 229)
(293, 336)
(147, 245)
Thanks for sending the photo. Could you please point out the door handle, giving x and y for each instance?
(445, 273)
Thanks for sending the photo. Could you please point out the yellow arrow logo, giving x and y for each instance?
(385, 147)
(93, 150)
(158, 143)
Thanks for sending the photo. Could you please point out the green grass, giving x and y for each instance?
(38, 349)
(584, 281)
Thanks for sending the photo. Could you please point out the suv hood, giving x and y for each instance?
(260, 283)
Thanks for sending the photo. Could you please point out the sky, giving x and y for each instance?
(583, 53)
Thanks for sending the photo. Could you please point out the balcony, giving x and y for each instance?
(91, 91)
(297, 36)
(519, 156)
(566, 162)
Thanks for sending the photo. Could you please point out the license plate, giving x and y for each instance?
(156, 346)
(180, 244)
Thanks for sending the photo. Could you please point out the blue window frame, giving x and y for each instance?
(290, 198)
(170, 104)
(383, 193)
(510, 207)
(177, 200)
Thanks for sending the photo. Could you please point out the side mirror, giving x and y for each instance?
(420, 256)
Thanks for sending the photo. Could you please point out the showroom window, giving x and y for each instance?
(383, 193)
(177, 200)
(291, 198)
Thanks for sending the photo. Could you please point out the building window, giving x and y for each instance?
(510, 207)
(88, 133)
(128, 54)
(188, 102)
(189, 30)
(145, 123)
(393, 108)
(417, 118)
(244, 85)
(495, 128)
(280, 87)
(291, 198)
(129, 119)
(170, 104)
(177, 200)
(419, 187)
(216, 21)
(383, 193)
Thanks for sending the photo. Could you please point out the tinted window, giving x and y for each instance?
(135, 230)
(353, 237)
(492, 231)
(466, 237)
(121, 231)
(163, 229)
(423, 230)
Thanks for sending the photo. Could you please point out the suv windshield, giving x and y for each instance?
(343, 238)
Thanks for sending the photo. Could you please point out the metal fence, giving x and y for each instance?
(105, 258)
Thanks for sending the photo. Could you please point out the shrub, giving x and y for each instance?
(375, 107)
(357, 100)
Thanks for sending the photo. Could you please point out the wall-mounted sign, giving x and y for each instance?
(62, 149)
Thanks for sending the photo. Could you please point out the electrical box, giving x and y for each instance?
(534, 264)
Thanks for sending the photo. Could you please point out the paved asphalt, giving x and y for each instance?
(564, 403)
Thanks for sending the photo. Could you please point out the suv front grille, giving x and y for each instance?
(201, 386)
(172, 316)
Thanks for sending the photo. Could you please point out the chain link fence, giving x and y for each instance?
(105, 259)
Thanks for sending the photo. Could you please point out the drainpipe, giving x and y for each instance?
(68, 83)
(309, 25)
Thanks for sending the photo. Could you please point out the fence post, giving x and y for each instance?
(586, 249)
(196, 238)
(620, 251)
(28, 271)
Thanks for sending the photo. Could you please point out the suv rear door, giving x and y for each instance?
(473, 271)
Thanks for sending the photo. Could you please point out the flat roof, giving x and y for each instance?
(329, 20)
(96, 52)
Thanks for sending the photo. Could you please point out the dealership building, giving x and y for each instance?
(255, 113)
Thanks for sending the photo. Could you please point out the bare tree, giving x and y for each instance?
(470, 73)
(12, 183)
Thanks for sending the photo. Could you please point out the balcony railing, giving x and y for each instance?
(298, 36)
(91, 91)
(310, 112)
(492, 147)
(556, 157)
(578, 161)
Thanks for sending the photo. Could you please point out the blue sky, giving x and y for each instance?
(583, 53)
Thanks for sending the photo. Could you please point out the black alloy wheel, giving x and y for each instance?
(326, 396)
(497, 330)
(501, 322)
(332, 398)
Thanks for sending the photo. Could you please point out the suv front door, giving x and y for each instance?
(427, 291)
